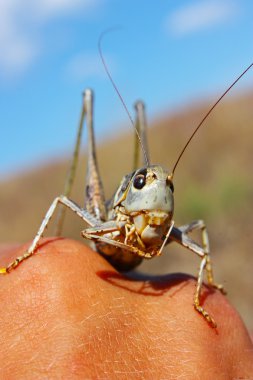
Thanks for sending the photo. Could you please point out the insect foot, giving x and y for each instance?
(220, 287)
(205, 314)
(15, 263)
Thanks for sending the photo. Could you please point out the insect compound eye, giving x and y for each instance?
(139, 181)
(170, 184)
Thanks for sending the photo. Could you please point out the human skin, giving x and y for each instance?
(67, 314)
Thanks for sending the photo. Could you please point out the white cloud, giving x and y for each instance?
(200, 15)
(56, 8)
(21, 29)
(83, 66)
(16, 55)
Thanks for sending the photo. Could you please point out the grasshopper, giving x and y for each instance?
(138, 221)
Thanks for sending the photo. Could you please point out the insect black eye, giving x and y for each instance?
(171, 186)
(139, 181)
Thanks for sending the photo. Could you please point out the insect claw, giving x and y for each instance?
(212, 322)
(207, 317)
(220, 287)
(13, 265)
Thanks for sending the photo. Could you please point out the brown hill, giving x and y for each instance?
(212, 182)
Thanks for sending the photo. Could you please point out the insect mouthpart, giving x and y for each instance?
(152, 218)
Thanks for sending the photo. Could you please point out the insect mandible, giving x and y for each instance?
(138, 221)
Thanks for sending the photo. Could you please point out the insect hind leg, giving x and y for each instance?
(31, 250)
(200, 225)
(140, 142)
(180, 235)
(207, 265)
(196, 300)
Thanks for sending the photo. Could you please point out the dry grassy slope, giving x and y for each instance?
(213, 181)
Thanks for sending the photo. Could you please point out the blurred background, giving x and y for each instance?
(176, 56)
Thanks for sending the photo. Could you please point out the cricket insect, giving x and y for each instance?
(137, 222)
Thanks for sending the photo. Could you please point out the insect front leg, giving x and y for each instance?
(109, 239)
(180, 235)
(31, 250)
(109, 233)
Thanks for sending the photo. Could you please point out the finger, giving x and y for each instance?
(67, 311)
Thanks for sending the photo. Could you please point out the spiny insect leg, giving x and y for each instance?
(95, 199)
(180, 235)
(64, 201)
(197, 306)
(209, 271)
(141, 129)
(69, 181)
(97, 236)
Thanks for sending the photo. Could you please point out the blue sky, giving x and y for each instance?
(168, 53)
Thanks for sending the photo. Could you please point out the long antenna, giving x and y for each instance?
(206, 116)
(117, 91)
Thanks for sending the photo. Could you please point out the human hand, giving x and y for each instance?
(67, 314)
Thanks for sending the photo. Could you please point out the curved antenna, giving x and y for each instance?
(117, 91)
(206, 116)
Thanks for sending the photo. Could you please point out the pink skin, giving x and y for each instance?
(67, 314)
